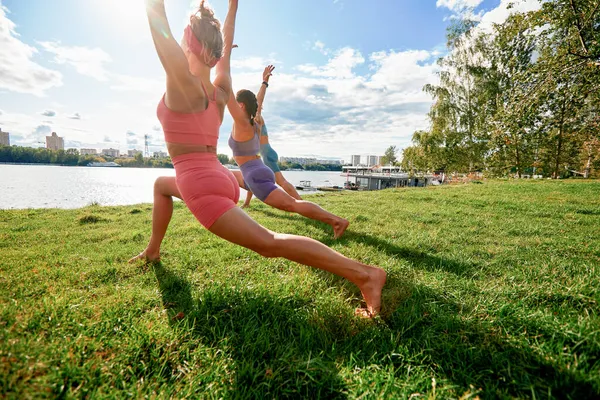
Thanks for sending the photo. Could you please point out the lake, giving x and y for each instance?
(49, 186)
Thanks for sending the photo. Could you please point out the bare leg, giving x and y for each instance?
(165, 187)
(285, 185)
(239, 178)
(237, 227)
(242, 184)
(283, 201)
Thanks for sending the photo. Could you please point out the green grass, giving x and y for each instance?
(493, 291)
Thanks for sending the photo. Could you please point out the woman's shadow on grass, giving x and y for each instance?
(275, 351)
(286, 347)
(417, 257)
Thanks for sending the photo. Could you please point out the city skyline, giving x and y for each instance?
(50, 144)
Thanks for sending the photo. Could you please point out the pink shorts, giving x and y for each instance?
(208, 189)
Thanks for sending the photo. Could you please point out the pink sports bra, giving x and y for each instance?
(201, 128)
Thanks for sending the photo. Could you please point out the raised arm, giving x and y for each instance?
(235, 110)
(170, 53)
(223, 76)
(260, 97)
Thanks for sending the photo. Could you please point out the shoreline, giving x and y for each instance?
(79, 166)
(143, 167)
(94, 204)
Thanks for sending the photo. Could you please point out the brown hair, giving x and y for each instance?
(248, 98)
(207, 29)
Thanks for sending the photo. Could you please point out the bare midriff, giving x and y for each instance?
(179, 149)
(241, 160)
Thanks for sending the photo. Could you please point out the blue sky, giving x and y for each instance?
(348, 74)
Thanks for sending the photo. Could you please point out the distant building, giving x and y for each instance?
(55, 142)
(88, 152)
(371, 161)
(160, 154)
(379, 160)
(355, 160)
(133, 153)
(329, 162)
(110, 152)
(4, 138)
(298, 160)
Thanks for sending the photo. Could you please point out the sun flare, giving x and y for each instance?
(123, 16)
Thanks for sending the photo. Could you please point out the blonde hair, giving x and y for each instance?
(207, 29)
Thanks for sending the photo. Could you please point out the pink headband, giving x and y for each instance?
(196, 47)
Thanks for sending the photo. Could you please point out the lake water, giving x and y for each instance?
(48, 186)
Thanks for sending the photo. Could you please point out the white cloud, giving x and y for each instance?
(404, 71)
(18, 73)
(339, 66)
(328, 110)
(86, 61)
(506, 7)
(320, 47)
(92, 62)
(253, 63)
(331, 110)
(458, 5)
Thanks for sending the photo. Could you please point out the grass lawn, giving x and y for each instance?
(493, 291)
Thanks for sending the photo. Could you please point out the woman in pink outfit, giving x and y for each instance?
(191, 112)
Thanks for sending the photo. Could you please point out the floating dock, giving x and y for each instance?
(377, 178)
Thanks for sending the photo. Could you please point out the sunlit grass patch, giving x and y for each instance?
(492, 291)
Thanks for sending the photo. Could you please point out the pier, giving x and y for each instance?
(377, 178)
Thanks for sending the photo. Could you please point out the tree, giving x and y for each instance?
(414, 159)
(458, 113)
(390, 156)
(521, 99)
(515, 118)
(139, 159)
(458, 138)
(568, 71)
(223, 158)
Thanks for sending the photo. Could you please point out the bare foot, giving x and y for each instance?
(339, 227)
(371, 291)
(146, 256)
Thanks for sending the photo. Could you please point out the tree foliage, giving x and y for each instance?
(223, 158)
(390, 156)
(521, 99)
(71, 157)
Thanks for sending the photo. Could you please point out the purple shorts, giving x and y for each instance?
(259, 178)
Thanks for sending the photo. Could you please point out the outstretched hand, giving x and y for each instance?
(268, 72)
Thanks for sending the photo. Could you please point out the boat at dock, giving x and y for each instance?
(382, 177)
(305, 185)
